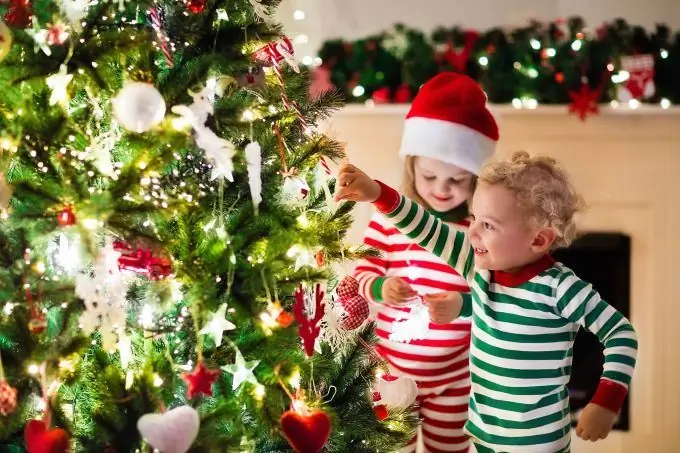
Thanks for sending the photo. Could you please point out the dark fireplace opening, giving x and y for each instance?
(602, 259)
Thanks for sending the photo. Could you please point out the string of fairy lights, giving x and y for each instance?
(79, 149)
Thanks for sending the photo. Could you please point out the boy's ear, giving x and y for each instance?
(543, 241)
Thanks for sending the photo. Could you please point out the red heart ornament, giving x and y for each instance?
(306, 433)
(41, 440)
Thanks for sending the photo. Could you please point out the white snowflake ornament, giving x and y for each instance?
(332, 331)
(411, 326)
(218, 151)
(103, 294)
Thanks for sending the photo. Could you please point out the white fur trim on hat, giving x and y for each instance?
(446, 141)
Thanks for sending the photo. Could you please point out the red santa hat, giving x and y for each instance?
(449, 121)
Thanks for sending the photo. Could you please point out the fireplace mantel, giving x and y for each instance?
(505, 109)
(626, 163)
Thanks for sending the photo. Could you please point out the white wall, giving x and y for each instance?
(357, 18)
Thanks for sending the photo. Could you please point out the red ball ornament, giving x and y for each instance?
(142, 261)
(66, 217)
(200, 380)
(40, 439)
(285, 319)
(381, 412)
(37, 325)
(19, 14)
(306, 432)
(8, 398)
(320, 258)
(196, 6)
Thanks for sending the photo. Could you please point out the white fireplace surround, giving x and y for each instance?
(626, 163)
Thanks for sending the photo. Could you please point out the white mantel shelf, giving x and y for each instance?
(507, 110)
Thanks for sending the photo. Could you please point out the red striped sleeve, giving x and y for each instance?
(369, 270)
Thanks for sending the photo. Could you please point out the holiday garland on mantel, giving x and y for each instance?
(561, 62)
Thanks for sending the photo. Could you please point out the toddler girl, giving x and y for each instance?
(448, 133)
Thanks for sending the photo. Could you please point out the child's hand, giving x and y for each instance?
(355, 185)
(595, 422)
(444, 307)
(396, 291)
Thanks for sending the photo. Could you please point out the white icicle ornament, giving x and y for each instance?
(254, 162)
(218, 151)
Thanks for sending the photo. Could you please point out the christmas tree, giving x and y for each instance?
(167, 238)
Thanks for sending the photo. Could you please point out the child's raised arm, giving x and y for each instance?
(409, 217)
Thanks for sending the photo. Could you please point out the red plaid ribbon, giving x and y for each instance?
(8, 398)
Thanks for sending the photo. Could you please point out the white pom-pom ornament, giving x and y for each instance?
(397, 392)
(139, 107)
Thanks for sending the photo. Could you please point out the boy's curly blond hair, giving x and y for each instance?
(542, 188)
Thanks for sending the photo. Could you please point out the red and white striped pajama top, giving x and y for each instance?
(439, 362)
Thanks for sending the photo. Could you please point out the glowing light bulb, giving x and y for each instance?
(260, 391)
(295, 380)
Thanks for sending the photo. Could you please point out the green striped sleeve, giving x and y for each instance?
(467, 305)
(376, 288)
(578, 302)
(437, 237)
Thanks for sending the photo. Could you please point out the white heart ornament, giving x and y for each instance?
(170, 432)
(397, 393)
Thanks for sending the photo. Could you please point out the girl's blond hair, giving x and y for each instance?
(543, 190)
(408, 184)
